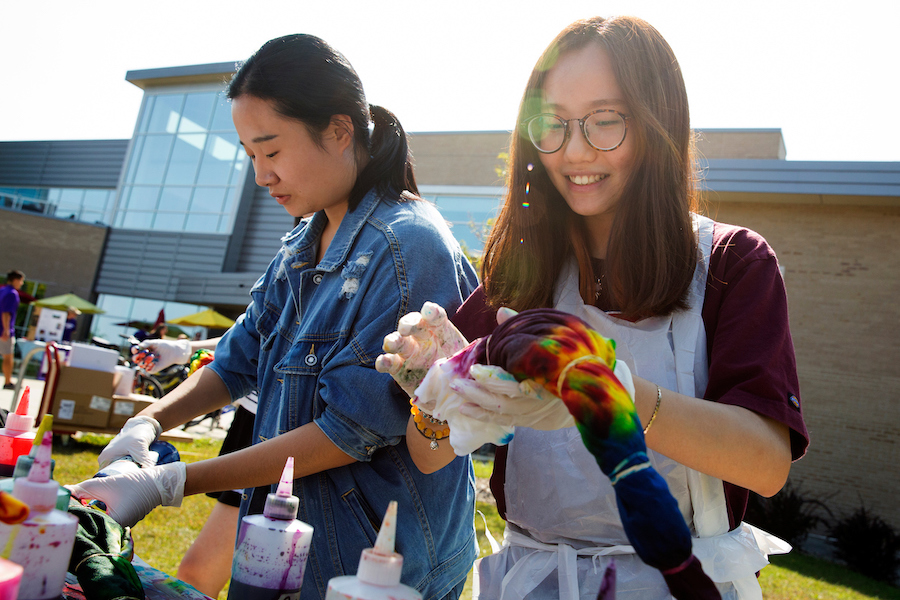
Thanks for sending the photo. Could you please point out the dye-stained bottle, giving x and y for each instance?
(17, 436)
(25, 462)
(272, 548)
(43, 543)
(378, 576)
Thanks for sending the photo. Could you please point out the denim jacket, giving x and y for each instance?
(308, 341)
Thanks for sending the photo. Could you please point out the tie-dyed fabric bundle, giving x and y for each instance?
(561, 353)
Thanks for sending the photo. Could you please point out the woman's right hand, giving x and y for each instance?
(129, 497)
(421, 339)
(155, 355)
(133, 440)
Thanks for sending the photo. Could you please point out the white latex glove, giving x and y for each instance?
(494, 396)
(155, 355)
(133, 440)
(466, 434)
(421, 339)
(129, 497)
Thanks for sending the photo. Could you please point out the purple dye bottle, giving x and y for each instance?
(272, 548)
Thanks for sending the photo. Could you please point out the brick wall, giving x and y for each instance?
(842, 272)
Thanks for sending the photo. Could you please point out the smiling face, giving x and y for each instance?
(302, 176)
(590, 181)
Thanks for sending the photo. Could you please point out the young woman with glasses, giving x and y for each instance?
(310, 335)
(600, 221)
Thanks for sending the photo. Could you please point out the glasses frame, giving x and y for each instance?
(568, 131)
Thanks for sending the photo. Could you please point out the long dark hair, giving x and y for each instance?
(652, 250)
(308, 80)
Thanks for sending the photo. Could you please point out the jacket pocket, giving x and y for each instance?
(368, 521)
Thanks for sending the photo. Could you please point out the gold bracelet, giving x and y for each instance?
(425, 423)
(655, 410)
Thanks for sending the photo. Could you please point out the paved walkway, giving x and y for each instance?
(202, 429)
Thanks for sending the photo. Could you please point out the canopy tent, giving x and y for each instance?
(64, 301)
(204, 318)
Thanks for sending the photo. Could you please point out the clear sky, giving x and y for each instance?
(825, 72)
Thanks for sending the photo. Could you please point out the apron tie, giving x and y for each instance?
(531, 570)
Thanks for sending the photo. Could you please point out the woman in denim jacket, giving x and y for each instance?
(308, 340)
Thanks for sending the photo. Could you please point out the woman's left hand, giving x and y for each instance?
(129, 497)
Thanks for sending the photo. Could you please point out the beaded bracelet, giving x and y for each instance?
(425, 423)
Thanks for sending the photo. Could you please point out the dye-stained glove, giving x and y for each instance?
(129, 497)
(133, 440)
(494, 396)
(155, 355)
(421, 339)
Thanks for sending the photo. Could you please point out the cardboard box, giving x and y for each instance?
(85, 356)
(125, 407)
(83, 397)
(85, 381)
(86, 410)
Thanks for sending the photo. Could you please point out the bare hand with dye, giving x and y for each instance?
(421, 339)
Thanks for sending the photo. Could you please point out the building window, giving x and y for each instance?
(78, 204)
(470, 216)
(184, 167)
(125, 315)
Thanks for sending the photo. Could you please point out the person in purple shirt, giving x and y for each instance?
(9, 305)
(71, 323)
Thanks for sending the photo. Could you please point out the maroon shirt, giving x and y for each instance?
(749, 346)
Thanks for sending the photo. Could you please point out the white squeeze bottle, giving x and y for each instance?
(43, 543)
(378, 577)
(272, 548)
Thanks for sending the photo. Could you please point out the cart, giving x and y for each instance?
(54, 363)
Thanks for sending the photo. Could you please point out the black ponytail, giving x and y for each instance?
(308, 80)
(390, 164)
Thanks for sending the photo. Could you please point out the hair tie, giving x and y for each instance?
(565, 371)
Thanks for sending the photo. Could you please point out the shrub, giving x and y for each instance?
(787, 514)
(868, 545)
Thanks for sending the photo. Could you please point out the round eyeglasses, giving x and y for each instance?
(604, 129)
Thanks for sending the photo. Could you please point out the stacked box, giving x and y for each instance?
(125, 407)
(83, 397)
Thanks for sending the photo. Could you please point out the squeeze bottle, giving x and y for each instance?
(378, 577)
(272, 548)
(42, 544)
(17, 436)
(10, 579)
(24, 463)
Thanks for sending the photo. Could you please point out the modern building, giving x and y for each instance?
(173, 219)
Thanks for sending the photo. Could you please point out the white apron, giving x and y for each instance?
(561, 509)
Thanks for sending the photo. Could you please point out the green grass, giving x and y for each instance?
(162, 538)
(798, 576)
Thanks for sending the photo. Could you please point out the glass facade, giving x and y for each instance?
(470, 217)
(123, 313)
(79, 204)
(184, 167)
